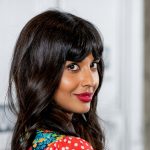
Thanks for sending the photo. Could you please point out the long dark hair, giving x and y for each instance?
(44, 45)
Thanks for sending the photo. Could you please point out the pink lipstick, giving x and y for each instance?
(85, 97)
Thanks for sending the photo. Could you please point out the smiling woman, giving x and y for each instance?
(57, 71)
(81, 80)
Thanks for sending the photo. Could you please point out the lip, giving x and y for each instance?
(84, 97)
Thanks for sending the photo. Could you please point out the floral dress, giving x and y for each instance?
(50, 140)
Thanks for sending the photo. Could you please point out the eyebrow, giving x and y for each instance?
(94, 60)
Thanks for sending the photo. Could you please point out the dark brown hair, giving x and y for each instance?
(44, 45)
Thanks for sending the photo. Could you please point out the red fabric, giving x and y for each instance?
(69, 143)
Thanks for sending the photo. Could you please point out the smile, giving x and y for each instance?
(84, 97)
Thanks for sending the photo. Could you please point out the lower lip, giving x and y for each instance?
(84, 98)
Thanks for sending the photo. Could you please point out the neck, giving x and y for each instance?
(71, 127)
(70, 116)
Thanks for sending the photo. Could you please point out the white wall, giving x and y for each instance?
(121, 24)
(13, 16)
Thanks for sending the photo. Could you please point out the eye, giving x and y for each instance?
(73, 67)
(94, 65)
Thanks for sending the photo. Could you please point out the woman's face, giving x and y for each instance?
(77, 86)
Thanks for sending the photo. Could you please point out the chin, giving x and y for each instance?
(84, 111)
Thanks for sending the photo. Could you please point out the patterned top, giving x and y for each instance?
(50, 140)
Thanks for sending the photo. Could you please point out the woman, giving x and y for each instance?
(57, 71)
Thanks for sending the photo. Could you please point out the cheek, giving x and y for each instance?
(96, 78)
(67, 82)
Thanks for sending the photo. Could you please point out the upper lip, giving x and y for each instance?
(85, 94)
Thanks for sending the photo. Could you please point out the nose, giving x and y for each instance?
(89, 78)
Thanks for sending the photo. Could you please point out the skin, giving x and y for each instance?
(78, 77)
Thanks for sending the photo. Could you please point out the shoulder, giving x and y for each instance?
(44, 138)
(70, 143)
(48, 140)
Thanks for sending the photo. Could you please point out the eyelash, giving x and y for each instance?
(69, 67)
(96, 63)
(72, 65)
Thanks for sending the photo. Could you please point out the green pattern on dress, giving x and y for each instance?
(45, 138)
